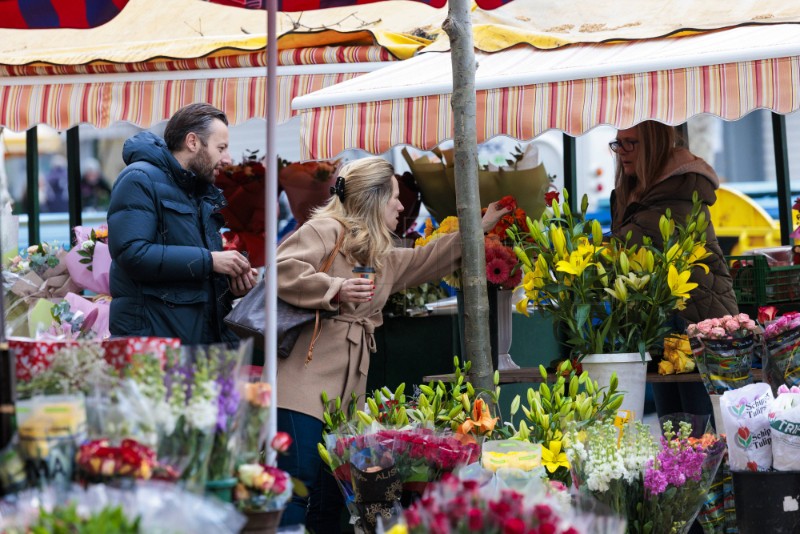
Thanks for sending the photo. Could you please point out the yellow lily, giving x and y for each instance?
(679, 283)
(620, 291)
(698, 254)
(576, 265)
(636, 282)
(553, 457)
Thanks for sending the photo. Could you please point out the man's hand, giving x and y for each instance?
(230, 262)
(241, 285)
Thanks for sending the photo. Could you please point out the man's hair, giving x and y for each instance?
(195, 118)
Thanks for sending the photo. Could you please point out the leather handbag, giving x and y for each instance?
(248, 317)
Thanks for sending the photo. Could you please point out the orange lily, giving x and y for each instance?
(482, 421)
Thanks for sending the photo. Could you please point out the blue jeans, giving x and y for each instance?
(321, 511)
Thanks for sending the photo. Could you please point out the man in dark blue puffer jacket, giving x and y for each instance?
(169, 274)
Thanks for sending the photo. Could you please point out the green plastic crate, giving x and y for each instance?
(756, 283)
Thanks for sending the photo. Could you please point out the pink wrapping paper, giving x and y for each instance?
(96, 279)
(82, 304)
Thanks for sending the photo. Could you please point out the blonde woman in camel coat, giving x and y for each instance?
(365, 206)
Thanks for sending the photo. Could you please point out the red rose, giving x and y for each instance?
(281, 442)
(550, 196)
(514, 525)
(475, 519)
(767, 313)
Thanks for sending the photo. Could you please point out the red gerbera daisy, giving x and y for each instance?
(497, 271)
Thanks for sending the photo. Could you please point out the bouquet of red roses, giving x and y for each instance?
(243, 186)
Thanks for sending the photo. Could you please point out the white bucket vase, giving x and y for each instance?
(631, 375)
(504, 327)
(719, 424)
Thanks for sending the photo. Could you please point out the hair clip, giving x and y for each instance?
(338, 189)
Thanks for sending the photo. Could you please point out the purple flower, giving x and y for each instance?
(227, 401)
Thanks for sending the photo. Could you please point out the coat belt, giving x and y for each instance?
(361, 332)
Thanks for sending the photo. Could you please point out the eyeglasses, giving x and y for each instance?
(618, 146)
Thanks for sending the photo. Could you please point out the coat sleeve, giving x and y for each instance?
(641, 219)
(133, 237)
(298, 260)
(414, 266)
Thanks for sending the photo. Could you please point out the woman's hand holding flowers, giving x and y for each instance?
(494, 212)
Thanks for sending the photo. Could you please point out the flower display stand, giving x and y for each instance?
(631, 374)
(262, 522)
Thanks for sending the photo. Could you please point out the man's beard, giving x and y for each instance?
(202, 166)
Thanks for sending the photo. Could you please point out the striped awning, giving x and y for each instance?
(149, 92)
(523, 92)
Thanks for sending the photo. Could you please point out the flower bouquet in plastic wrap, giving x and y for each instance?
(724, 349)
(89, 261)
(243, 187)
(375, 478)
(147, 507)
(227, 370)
(493, 506)
(782, 338)
(181, 397)
(38, 273)
(98, 461)
(660, 488)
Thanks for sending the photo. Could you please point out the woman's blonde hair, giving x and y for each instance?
(367, 191)
(656, 143)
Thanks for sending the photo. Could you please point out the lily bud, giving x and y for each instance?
(597, 233)
(623, 263)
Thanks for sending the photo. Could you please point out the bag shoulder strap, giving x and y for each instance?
(326, 265)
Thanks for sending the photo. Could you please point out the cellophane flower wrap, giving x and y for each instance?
(256, 400)
(375, 480)
(472, 505)
(420, 455)
(38, 273)
(261, 487)
(608, 295)
(89, 261)
(782, 338)
(182, 395)
(659, 488)
(227, 368)
(724, 349)
(149, 506)
(502, 265)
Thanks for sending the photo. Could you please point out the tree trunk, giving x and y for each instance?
(476, 305)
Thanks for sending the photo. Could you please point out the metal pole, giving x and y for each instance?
(782, 175)
(270, 372)
(571, 171)
(74, 179)
(32, 170)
